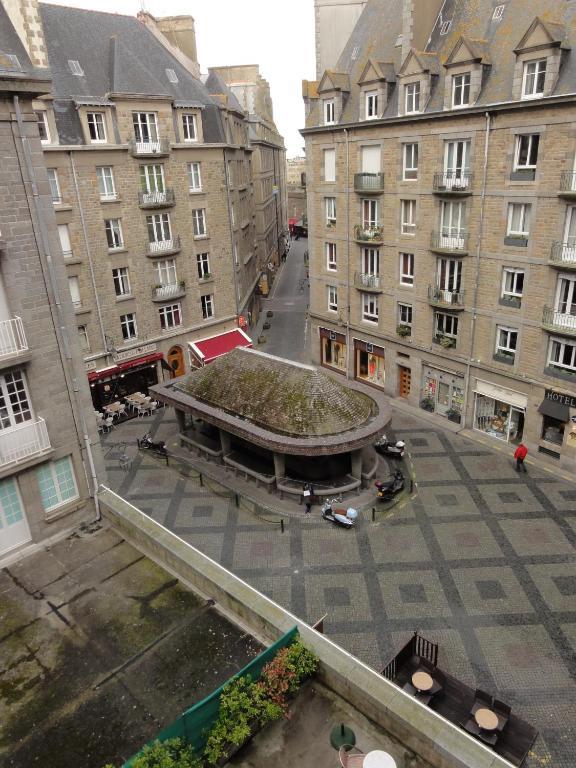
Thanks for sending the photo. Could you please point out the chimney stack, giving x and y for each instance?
(177, 34)
(418, 17)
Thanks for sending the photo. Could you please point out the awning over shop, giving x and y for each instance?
(554, 409)
(206, 350)
(114, 370)
(502, 394)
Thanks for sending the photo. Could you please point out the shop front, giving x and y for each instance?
(499, 412)
(333, 349)
(123, 378)
(443, 392)
(557, 428)
(369, 363)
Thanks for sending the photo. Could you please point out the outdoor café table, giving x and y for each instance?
(422, 681)
(486, 719)
(378, 759)
(113, 407)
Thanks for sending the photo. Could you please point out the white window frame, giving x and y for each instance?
(152, 179)
(407, 278)
(370, 213)
(448, 321)
(561, 343)
(330, 210)
(54, 185)
(42, 118)
(513, 273)
(128, 326)
(64, 236)
(113, 228)
(410, 161)
(145, 124)
(207, 306)
(412, 98)
(189, 119)
(74, 288)
(121, 281)
(96, 125)
(528, 165)
(203, 265)
(194, 177)
(370, 309)
(371, 262)
(329, 112)
(408, 217)
(331, 257)
(166, 269)
(159, 223)
(199, 223)
(409, 310)
(461, 87)
(170, 316)
(332, 293)
(371, 105)
(49, 468)
(330, 164)
(504, 338)
(15, 403)
(539, 71)
(525, 213)
(84, 338)
(106, 185)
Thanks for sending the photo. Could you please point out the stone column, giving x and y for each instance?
(356, 462)
(279, 466)
(225, 442)
(181, 418)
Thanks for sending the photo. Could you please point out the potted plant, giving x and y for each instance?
(206, 276)
(427, 403)
(453, 414)
(404, 330)
(447, 342)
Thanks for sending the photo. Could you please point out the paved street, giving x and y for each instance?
(482, 560)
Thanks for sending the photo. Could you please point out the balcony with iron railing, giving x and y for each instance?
(370, 234)
(559, 322)
(158, 148)
(368, 282)
(567, 184)
(369, 183)
(163, 247)
(156, 199)
(563, 255)
(23, 442)
(439, 297)
(13, 343)
(454, 242)
(170, 291)
(453, 183)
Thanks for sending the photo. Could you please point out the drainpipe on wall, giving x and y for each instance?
(348, 376)
(478, 251)
(61, 329)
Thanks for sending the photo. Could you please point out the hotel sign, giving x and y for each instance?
(90, 365)
(560, 397)
(128, 354)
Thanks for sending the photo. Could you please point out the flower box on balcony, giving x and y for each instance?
(510, 301)
(519, 241)
(404, 330)
(445, 341)
(504, 357)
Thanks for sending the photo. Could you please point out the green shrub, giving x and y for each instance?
(172, 753)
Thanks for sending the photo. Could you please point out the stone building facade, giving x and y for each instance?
(153, 181)
(441, 192)
(50, 463)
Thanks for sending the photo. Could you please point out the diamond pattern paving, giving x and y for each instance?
(482, 561)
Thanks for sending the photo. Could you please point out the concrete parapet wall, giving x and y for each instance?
(421, 730)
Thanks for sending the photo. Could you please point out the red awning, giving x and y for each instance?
(206, 350)
(114, 370)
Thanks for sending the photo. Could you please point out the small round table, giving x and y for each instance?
(378, 759)
(422, 681)
(486, 719)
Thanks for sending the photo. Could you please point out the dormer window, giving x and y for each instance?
(371, 105)
(189, 127)
(412, 98)
(461, 90)
(533, 79)
(96, 127)
(329, 112)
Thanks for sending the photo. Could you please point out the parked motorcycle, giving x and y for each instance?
(158, 446)
(346, 521)
(386, 448)
(387, 490)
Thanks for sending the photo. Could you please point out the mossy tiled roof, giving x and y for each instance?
(278, 395)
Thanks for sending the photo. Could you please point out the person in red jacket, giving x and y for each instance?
(520, 454)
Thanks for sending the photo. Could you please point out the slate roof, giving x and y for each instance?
(10, 46)
(380, 25)
(118, 54)
(216, 86)
(280, 396)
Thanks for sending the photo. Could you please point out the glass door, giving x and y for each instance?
(452, 225)
(569, 244)
(456, 163)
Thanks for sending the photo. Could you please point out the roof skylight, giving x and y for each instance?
(75, 67)
(172, 76)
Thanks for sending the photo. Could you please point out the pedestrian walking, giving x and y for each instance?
(520, 454)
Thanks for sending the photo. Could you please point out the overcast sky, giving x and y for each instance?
(277, 35)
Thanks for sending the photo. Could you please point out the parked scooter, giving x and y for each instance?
(390, 488)
(158, 446)
(386, 448)
(346, 521)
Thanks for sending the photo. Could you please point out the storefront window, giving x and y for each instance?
(498, 419)
(553, 430)
(333, 353)
(442, 393)
(370, 367)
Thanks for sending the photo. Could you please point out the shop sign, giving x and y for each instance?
(90, 365)
(127, 354)
(242, 322)
(559, 397)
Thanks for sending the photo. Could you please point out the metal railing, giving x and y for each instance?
(23, 441)
(164, 246)
(568, 181)
(169, 291)
(158, 147)
(559, 321)
(453, 242)
(563, 253)
(156, 199)
(12, 337)
(452, 181)
(444, 297)
(369, 234)
(109, 197)
(368, 182)
(365, 280)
